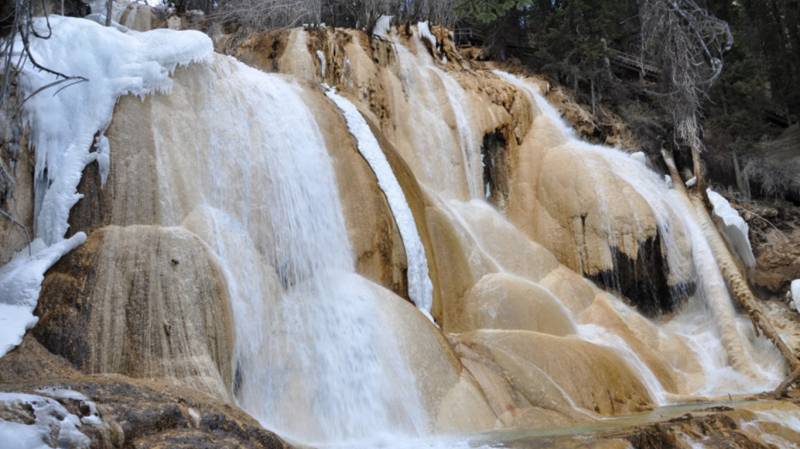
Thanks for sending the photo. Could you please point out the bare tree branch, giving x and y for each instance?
(688, 43)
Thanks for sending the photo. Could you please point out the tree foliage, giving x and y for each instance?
(490, 11)
(345, 13)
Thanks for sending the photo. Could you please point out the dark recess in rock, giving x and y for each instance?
(643, 281)
(495, 168)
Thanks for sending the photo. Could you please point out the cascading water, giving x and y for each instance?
(420, 288)
(313, 360)
(736, 369)
(458, 160)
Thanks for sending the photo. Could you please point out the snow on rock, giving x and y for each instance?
(93, 416)
(67, 124)
(691, 182)
(53, 425)
(64, 125)
(382, 27)
(639, 157)
(420, 288)
(425, 34)
(20, 282)
(795, 291)
(736, 229)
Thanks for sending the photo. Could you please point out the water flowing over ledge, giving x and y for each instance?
(420, 288)
(259, 173)
(736, 362)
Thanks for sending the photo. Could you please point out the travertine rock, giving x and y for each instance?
(143, 301)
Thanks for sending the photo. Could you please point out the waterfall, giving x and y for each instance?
(451, 165)
(314, 362)
(733, 368)
(420, 288)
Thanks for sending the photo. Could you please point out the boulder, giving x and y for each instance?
(115, 412)
(144, 301)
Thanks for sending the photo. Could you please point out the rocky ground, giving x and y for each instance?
(133, 413)
(775, 236)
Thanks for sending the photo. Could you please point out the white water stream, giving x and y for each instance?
(455, 154)
(314, 362)
(420, 288)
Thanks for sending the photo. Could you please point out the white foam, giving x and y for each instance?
(795, 292)
(382, 27)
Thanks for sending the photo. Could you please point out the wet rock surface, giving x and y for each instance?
(748, 425)
(643, 281)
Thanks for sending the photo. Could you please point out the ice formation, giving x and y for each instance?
(736, 230)
(323, 65)
(420, 288)
(67, 124)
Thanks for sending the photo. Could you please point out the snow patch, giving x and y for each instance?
(53, 426)
(420, 288)
(736, 229)
(67, 124)
(93, 418)
(795, 290)
(691, 182)
(382, 27)
(20, 283)
(425, 34)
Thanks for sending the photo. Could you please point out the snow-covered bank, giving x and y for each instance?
(20, 282)
(736, 229)
(67, 118)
